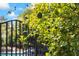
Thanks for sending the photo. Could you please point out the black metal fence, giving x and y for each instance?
(10, 45)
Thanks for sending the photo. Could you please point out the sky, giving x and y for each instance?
(14, 8)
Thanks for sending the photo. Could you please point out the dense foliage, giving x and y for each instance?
(55, 26)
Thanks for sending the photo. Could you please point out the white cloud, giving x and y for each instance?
(12, 14)
(15, 18)
(4, 6)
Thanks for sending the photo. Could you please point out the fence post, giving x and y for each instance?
(6, 37)
(0, 40)
(16, 38)
(19, 35)
(11, 37)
